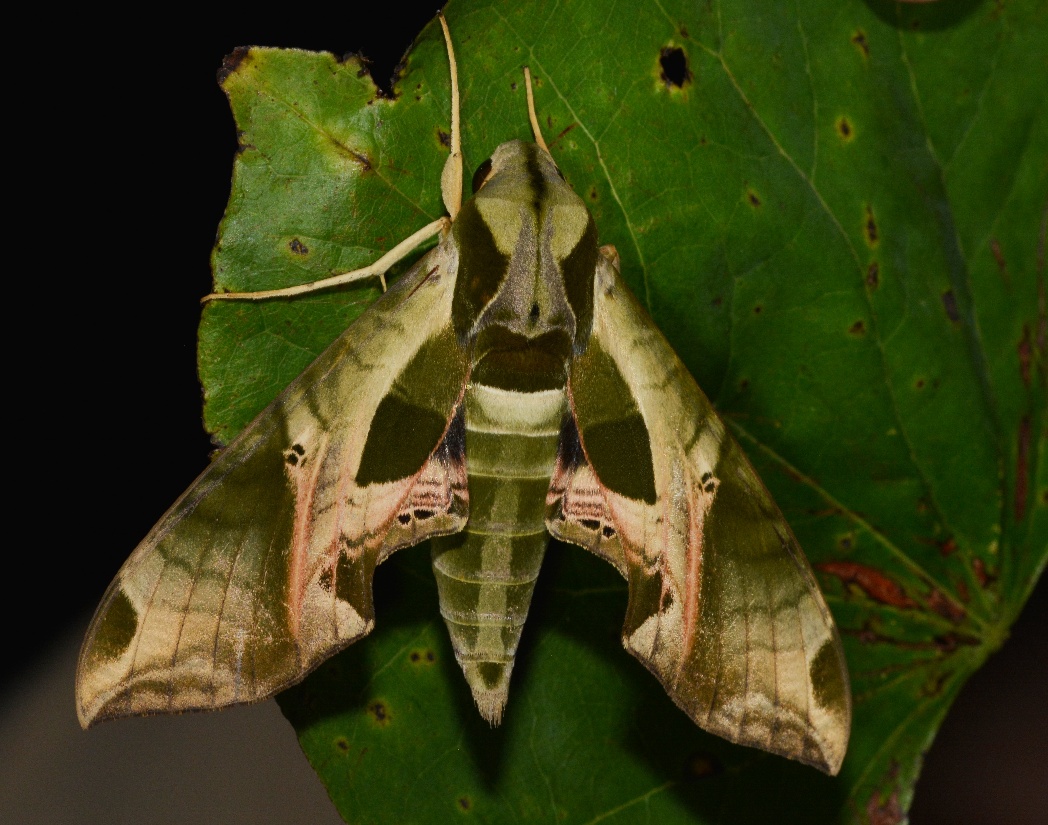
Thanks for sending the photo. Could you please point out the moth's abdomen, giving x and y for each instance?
(486, 574)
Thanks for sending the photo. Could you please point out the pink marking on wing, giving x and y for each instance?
(302, 534)
(693, 582)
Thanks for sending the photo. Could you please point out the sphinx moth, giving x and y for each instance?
(507, 388)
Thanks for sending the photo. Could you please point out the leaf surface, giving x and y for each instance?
(836, 214)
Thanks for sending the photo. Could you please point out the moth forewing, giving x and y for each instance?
(507, 387)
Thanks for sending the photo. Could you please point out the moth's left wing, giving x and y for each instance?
(723, 606)
(263, 568)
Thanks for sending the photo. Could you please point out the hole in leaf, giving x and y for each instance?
(674, 63)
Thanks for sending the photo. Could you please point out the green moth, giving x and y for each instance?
(507, 388)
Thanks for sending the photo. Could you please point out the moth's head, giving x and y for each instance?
(528, 252)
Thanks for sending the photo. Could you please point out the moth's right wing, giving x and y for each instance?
(263, 568)
(723, 606)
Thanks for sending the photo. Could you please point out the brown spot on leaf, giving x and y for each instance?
(873, 275)
(751, 196)
(949, 303)
(444, 138)
(426, 656)
(593, 193)
(465, 803)
(874, 583)
(947, 608)
(919, 383)
(1025, 355)
(962, 591)
(982, 575)
(845, 543)
(702, 765)
(884, 811)
(1022, 467)
(231, 62)
(870, 229)
(998, 256)
(717, 301)
(858, 328)
(342, 744)
(744, 384)
(947, 546)
(859, 39)
(935, 684)
(378, 711)
(298, 247)
(563, 132)
(674, 67)
(844, 129)
(758, 309)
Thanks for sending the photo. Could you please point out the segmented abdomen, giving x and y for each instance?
(486, 574)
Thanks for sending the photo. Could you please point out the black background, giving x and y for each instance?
(125, 147)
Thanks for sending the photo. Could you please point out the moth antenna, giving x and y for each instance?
(451, 177)
(531, 113)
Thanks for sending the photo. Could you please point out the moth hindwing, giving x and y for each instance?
(560, 409)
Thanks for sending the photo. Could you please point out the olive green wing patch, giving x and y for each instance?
(263, 568)
(723, 606)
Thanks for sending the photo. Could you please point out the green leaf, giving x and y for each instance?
(836, 213)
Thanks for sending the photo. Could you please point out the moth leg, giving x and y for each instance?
(451, 177)
(379, 268)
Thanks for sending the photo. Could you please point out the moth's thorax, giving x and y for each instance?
(527, 255)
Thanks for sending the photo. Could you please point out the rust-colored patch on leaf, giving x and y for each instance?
(875, 584)
(945, 607)
(962, 591)
(861, 43)
(870, 229)
(873, 275)
(1022, 467)
(949, 303)
(998, 256)
(563, 132)
(1025, 355)
(884, 807)
(982, 575)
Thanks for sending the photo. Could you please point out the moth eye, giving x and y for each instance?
(480, 177)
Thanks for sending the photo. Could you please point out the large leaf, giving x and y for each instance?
(836, 213)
